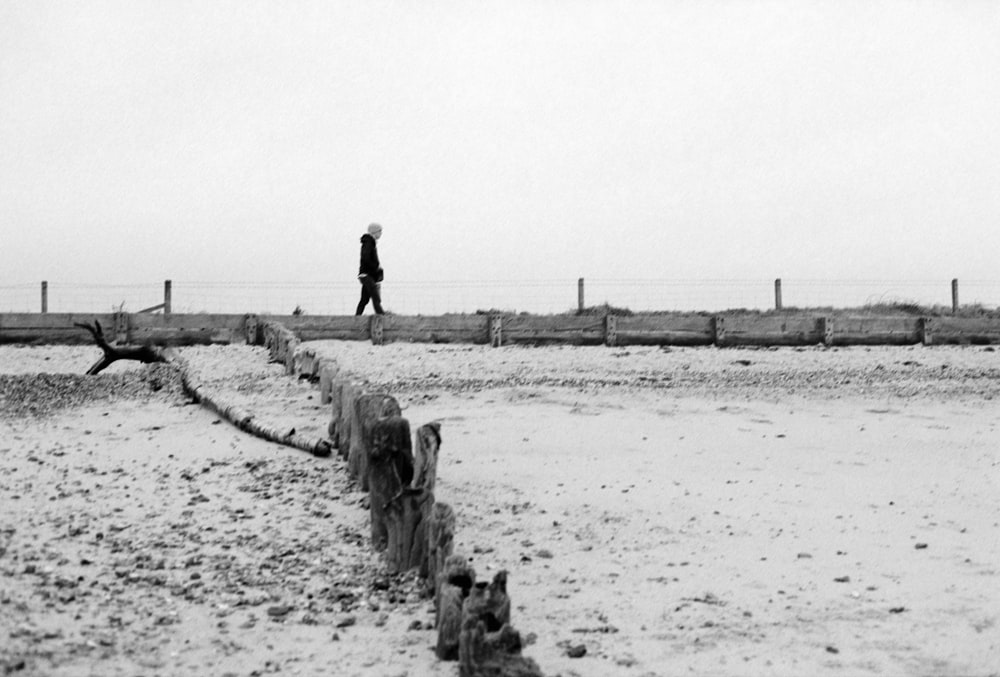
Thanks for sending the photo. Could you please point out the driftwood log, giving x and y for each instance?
(145, 353)
(389, 469)
(368, 410)
(245, 420)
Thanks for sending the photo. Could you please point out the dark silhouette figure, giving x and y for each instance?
(370, 271)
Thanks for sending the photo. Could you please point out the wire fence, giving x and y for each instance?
(529, 296)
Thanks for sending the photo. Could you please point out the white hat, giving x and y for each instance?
(374, 228)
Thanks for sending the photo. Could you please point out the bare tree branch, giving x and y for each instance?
(145, 354)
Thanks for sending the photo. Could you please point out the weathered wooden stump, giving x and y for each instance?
(440, 545)
(307, 365)
(327, 376)
(291, 346)
(493, 654)
(406, 522)
(488, 645)
(453, 585)
(348, 393)
(368, 410)
(426, 456)
(389, 469)
(336, 390)
(408, 514)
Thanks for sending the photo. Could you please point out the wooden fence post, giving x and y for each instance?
(496, 331)
(579, 295)
(954, 296)
(777, 294)
(825, 327)
(927, 331)
(376, 330)
(45, 296)
(610, 330)
(167, 293)
(718, 331)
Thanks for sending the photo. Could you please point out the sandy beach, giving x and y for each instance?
(672, 511)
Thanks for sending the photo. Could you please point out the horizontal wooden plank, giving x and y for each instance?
(875, 331)
(52, 320)
(436, 328)
(962, 330)
(325, 327)
(187, 321)
(771, 330)
(180, 336)
(67, 337)
(321, 334)
(567, 329)
(55, 328)
(677, 330)
(672, 323)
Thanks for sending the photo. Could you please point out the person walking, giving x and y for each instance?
(370, 271)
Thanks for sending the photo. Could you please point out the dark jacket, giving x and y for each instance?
(369, 259)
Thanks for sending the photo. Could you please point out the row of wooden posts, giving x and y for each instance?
(411, 528)
(580, 295)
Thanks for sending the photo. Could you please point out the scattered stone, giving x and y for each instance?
(709, 598)
(577, 651)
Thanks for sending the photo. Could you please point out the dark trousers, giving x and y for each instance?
(369, 290)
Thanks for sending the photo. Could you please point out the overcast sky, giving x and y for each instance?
(237, 141)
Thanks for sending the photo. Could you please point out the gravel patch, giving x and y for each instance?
(882, 371)
(42, 395)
